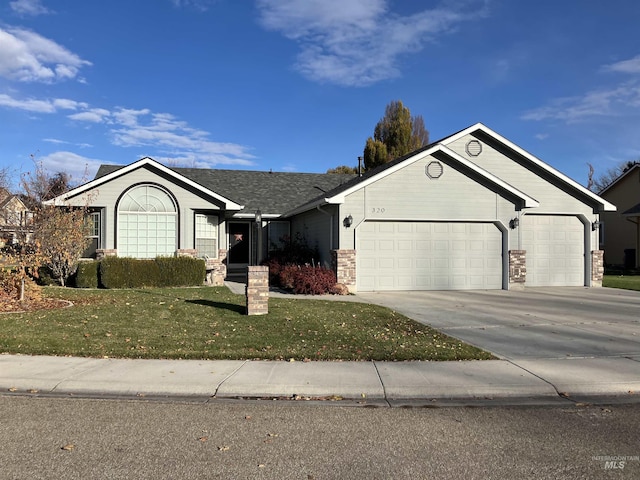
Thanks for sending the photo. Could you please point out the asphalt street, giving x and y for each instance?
(53, 438)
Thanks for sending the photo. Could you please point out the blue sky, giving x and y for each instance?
(298, 85)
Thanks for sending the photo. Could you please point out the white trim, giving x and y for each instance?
(606, 206)
(146, 161)
(529, 202)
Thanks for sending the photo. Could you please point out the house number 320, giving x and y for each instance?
(377, 210)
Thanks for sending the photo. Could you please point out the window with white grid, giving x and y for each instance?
(207, 235)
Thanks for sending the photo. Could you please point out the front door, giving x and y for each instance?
(239, 244)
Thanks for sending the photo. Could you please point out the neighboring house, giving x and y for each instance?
(471, 211)
(621, 229)
(15, 218)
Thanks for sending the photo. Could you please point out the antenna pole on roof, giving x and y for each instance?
(359, 166)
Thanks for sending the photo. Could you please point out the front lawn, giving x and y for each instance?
(209, 323)
(628, 282)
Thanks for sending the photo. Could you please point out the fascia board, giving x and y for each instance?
(606, 206)
(229, 204)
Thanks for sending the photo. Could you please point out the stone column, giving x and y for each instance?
(597, 267)
(517, 269)
(257, 290)
(344, 264)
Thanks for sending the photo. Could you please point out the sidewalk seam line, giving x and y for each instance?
(538, 376)
(215, 394)
(75, 374)
(384, 389)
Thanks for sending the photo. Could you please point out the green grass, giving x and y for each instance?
(628, 282)
(209, 323)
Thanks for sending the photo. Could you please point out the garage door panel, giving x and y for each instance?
(428, 256)
(555, 250)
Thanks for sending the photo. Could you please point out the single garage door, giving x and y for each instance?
(428, 256)
(555, 250)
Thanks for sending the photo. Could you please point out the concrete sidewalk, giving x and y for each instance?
(496, 382)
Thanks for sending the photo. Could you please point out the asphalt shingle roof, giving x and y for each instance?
(270, 192)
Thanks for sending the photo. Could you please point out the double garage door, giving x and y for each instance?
(428, 256)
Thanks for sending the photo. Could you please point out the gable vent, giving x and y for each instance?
(434, 169)
(474, 148)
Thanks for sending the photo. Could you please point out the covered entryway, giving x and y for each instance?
(555, 250)
(428, 256)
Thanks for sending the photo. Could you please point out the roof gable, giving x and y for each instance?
(106, 176)
(337, 196)
(562, 179)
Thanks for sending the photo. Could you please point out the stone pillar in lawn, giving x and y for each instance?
(344, 264)
(597, 267)
(257, 290)
(517, 269)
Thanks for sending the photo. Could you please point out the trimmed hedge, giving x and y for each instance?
(86, 275)
(119, 272)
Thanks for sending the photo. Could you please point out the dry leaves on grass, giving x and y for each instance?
(16, 306)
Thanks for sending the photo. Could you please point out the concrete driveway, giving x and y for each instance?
(537, 323)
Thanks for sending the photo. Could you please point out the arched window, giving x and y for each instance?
(147, 223)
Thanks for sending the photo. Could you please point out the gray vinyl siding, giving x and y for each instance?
(107, 195)
(319, 231)
(409, 194)
(552, 198)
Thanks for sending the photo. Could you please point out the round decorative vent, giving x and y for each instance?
(474, 148)
(434, 169)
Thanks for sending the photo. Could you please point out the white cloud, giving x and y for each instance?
(616, 100)
(57, 141)
(93, 115)
(162, 133)
(174, 140)
(29, 7)
(200, 5)
(359, 42)
(625, 66)
(26, 56)
(40, 106)
(80, 168)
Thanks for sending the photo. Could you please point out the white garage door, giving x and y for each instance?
(428, 256)
(555, 250)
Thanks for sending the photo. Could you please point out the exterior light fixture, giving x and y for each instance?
(258, 217)
(348, 221)
(513, 223)
(595, 226)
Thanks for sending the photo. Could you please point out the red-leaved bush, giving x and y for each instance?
(306, 279)
(310, 280)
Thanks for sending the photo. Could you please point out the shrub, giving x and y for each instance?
(86, 275)
(119, 272)
(306, 279)
(45, 277)
(310, 280)
(181, 271)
